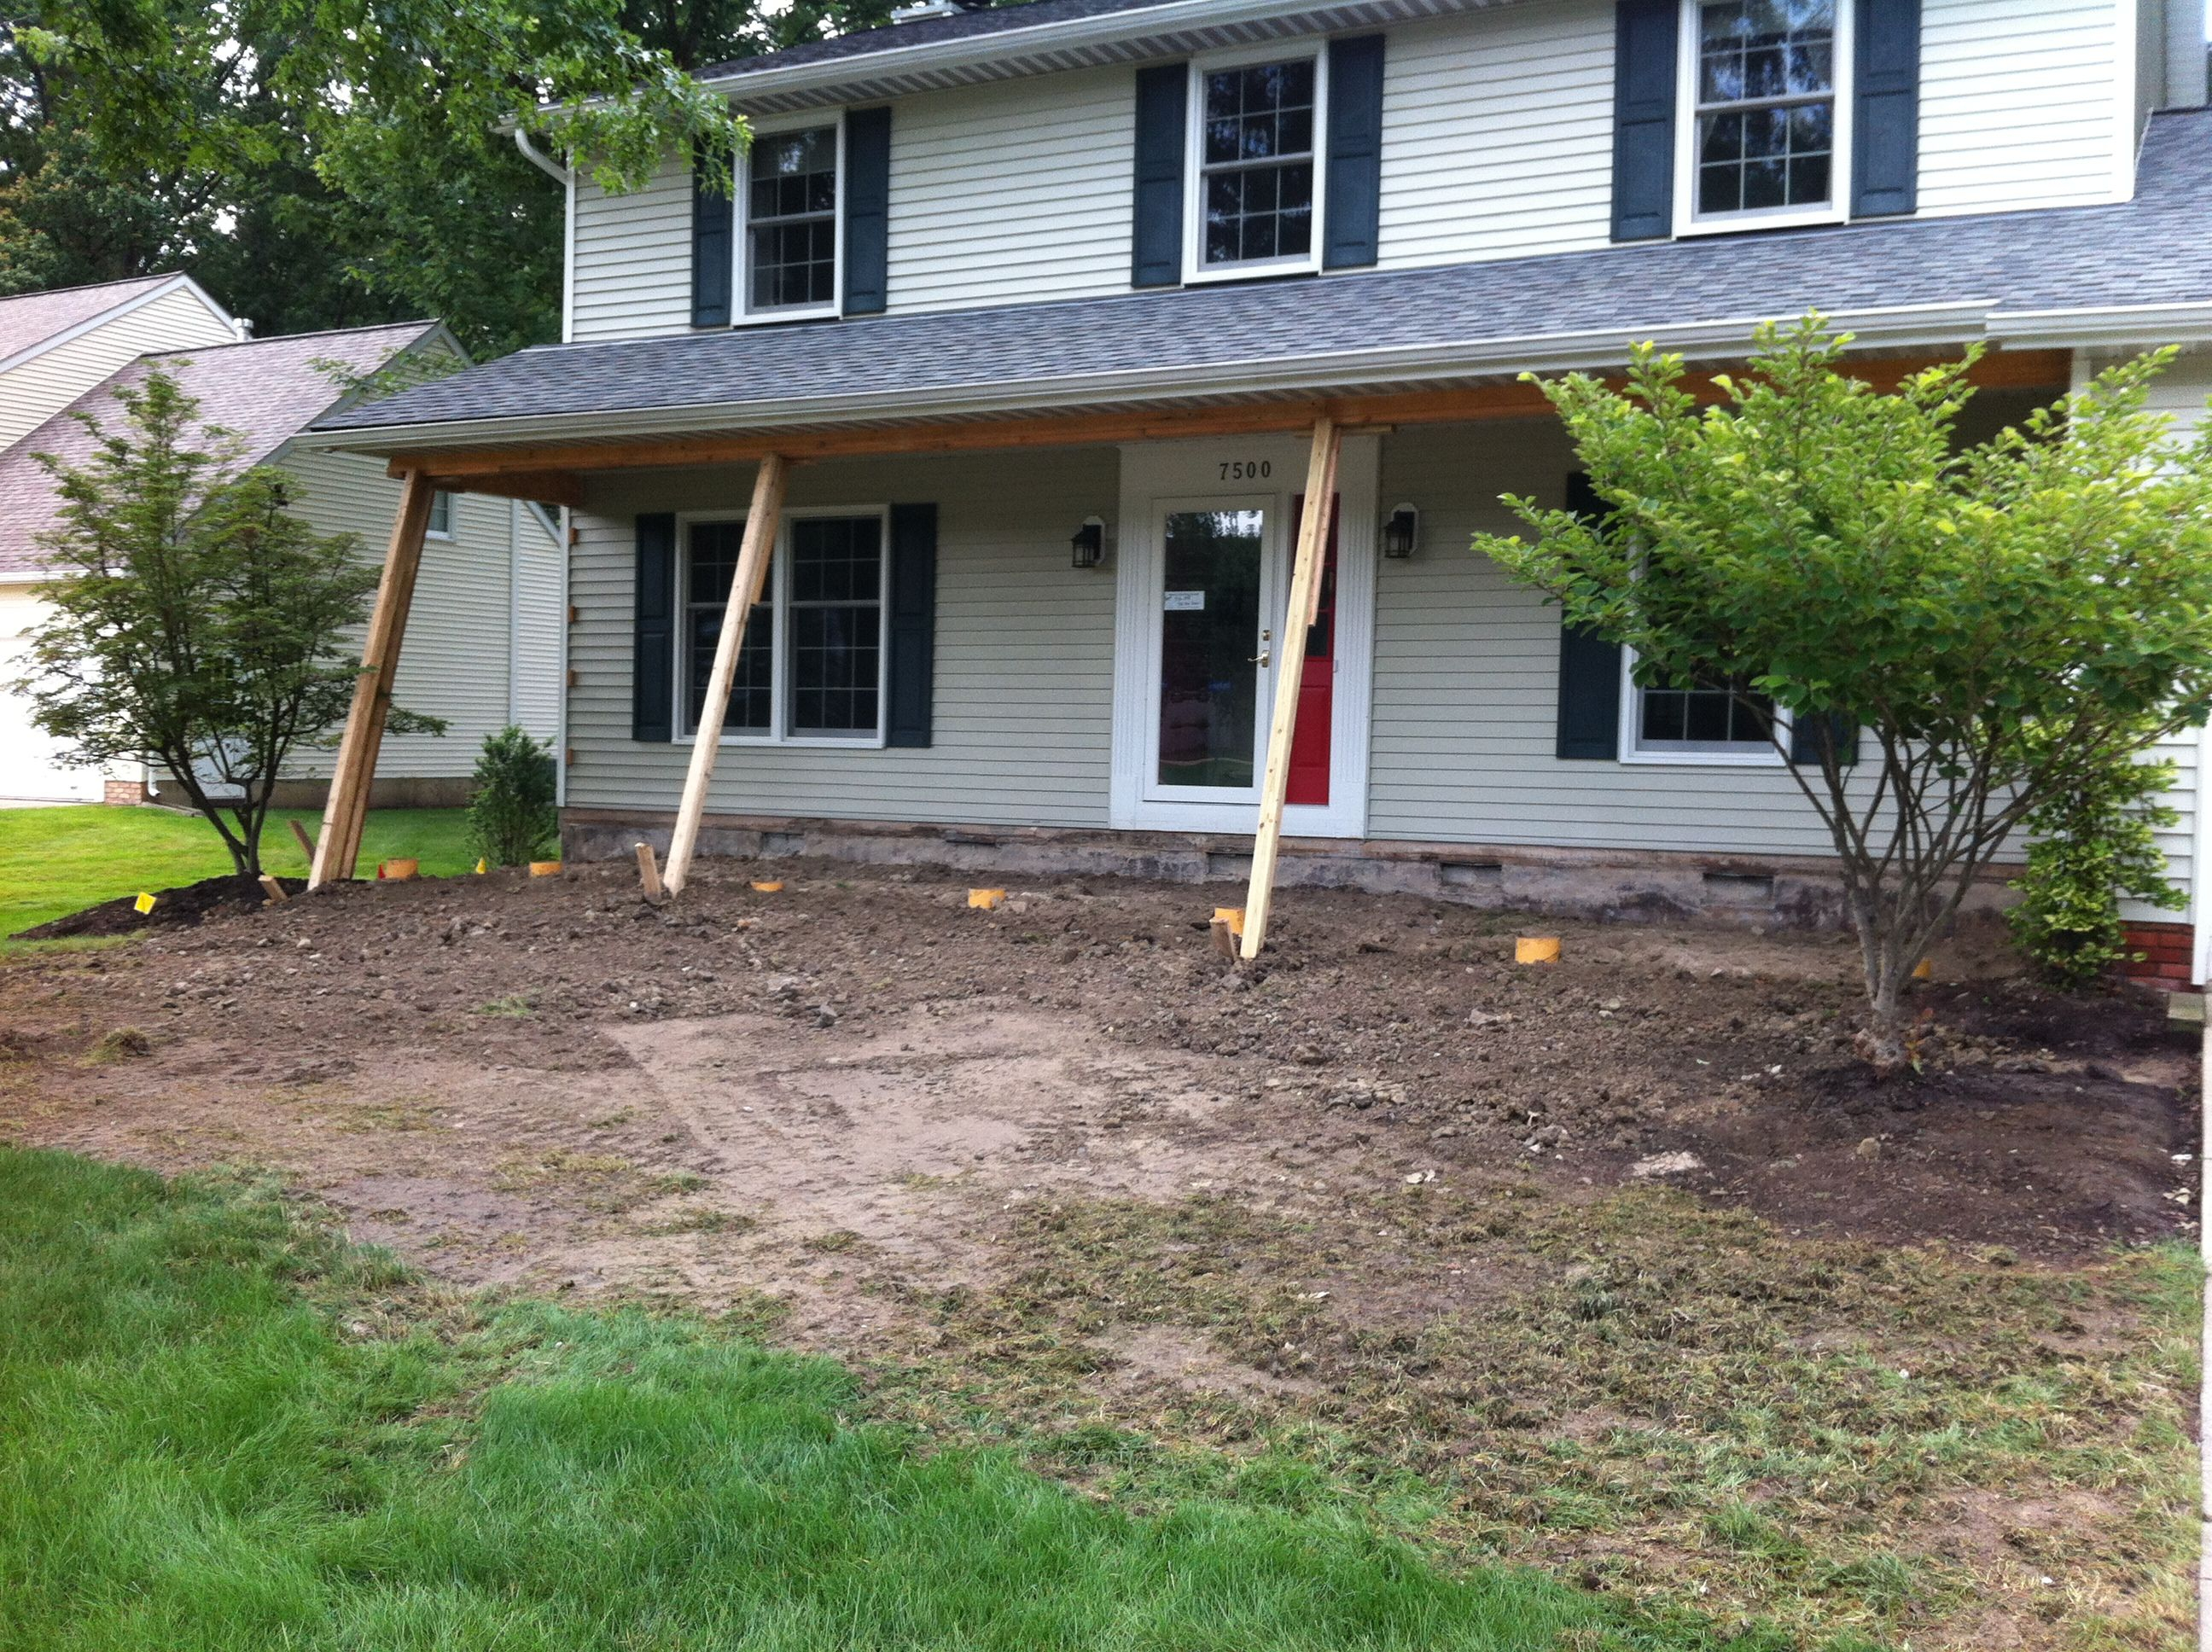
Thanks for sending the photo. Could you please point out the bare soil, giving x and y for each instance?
(861, 1112)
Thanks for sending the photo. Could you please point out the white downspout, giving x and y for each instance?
(566, 177)
(513, 612)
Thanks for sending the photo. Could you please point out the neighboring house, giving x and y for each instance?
(1043, 301)
(483, 648)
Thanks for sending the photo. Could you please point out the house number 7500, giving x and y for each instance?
(1246, 470)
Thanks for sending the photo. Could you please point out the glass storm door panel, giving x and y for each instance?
(1211, 648)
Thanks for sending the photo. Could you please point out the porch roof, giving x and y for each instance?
(2132, 273)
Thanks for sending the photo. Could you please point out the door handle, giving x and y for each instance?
(1260, 658)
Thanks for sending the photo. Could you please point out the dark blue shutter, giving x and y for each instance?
(909, 685)
(1354, 202)
(867, 210)
(1643, 81)
(714, 236)
(1589, 666)
(1162, 95)
(652, 641)
(1886, 118)
(1805, 741)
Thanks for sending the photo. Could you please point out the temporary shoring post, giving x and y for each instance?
(1298, 617)
(338, 845)
(745, 591)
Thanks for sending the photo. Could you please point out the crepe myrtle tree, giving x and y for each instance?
(193, 623)
(2004, 621)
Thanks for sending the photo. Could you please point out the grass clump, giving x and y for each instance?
(219, 1428)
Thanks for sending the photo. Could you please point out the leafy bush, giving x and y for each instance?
(512, 815)
(2090, 845)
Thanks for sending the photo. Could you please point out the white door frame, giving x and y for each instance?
(1159, 475)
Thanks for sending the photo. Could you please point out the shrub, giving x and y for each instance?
(512, 815)
(2091, 844)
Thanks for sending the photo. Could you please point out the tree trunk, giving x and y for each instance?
(1881, 1043)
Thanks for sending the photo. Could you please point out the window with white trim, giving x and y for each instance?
(1256, 153)
(791, 222)
(1766, 134)
(440, 523)
(811, 666)
(1710, 720)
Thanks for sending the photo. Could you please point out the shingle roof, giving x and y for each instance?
(29, 319)
(2154, 249)
(265, 391)
(928, 31)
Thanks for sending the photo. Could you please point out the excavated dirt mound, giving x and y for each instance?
(184, 906)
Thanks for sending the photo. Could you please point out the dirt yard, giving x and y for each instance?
(1618, 1267)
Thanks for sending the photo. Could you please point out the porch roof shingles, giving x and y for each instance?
(2150, 250)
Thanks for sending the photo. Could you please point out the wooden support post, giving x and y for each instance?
(745, 587)
(338, 845)
(648, 872)
(306, 843)
(1298, 617)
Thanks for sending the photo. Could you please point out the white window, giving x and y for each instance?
(1766, 140)
(1707, 722)
(810, 668)
(441, 525)
(790, 244)
(1255, 165)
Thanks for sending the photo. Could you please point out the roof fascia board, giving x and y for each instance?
(2129, 327)
(115, 312)
(1005, 52)
(1902, 328)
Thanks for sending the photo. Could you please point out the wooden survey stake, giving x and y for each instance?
(745, 587)
(649, 873)
(1299, 615)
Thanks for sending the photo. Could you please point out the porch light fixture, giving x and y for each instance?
(1401, 532)
(1089, 544)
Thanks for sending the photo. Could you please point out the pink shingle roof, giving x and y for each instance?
(264, 391)
(29, 319)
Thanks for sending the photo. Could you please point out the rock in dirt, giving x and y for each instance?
(1666, 1165)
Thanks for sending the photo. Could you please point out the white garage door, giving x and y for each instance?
(29, 769)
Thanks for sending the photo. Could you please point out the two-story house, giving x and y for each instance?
(1038, 308)
(487, 649)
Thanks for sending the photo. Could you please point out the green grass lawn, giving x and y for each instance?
(219, 1428)
(56, 861)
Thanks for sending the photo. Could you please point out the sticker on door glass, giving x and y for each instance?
(1183, 602)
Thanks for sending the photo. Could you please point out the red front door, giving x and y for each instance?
(1309, 740)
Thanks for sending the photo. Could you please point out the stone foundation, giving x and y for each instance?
(1783, 892)
(2168, 955)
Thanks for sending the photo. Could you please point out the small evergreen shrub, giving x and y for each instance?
(512, 815)
(2090, 845)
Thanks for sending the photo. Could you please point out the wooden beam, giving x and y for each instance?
(544, 486)
(496, 469)
(337, 847)
(1299, 615)
(745, 585)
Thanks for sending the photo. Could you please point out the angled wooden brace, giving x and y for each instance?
(338, 846)
(1300, 612)
(745, 587)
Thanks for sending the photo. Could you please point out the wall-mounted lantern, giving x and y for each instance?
(1089, 544)
(1401, 532)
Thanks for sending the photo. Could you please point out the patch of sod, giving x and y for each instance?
(220, 1428)
(56, 861)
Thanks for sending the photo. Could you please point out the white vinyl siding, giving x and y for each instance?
(2020, 104)
(539, 616)
(33, 392)
(1466, 666)
(1498, 134)
(633, 274)
(1011, 193)
(31, 768)
(1023, 665)
(455, 661)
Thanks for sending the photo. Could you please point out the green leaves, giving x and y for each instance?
(2007, 617)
